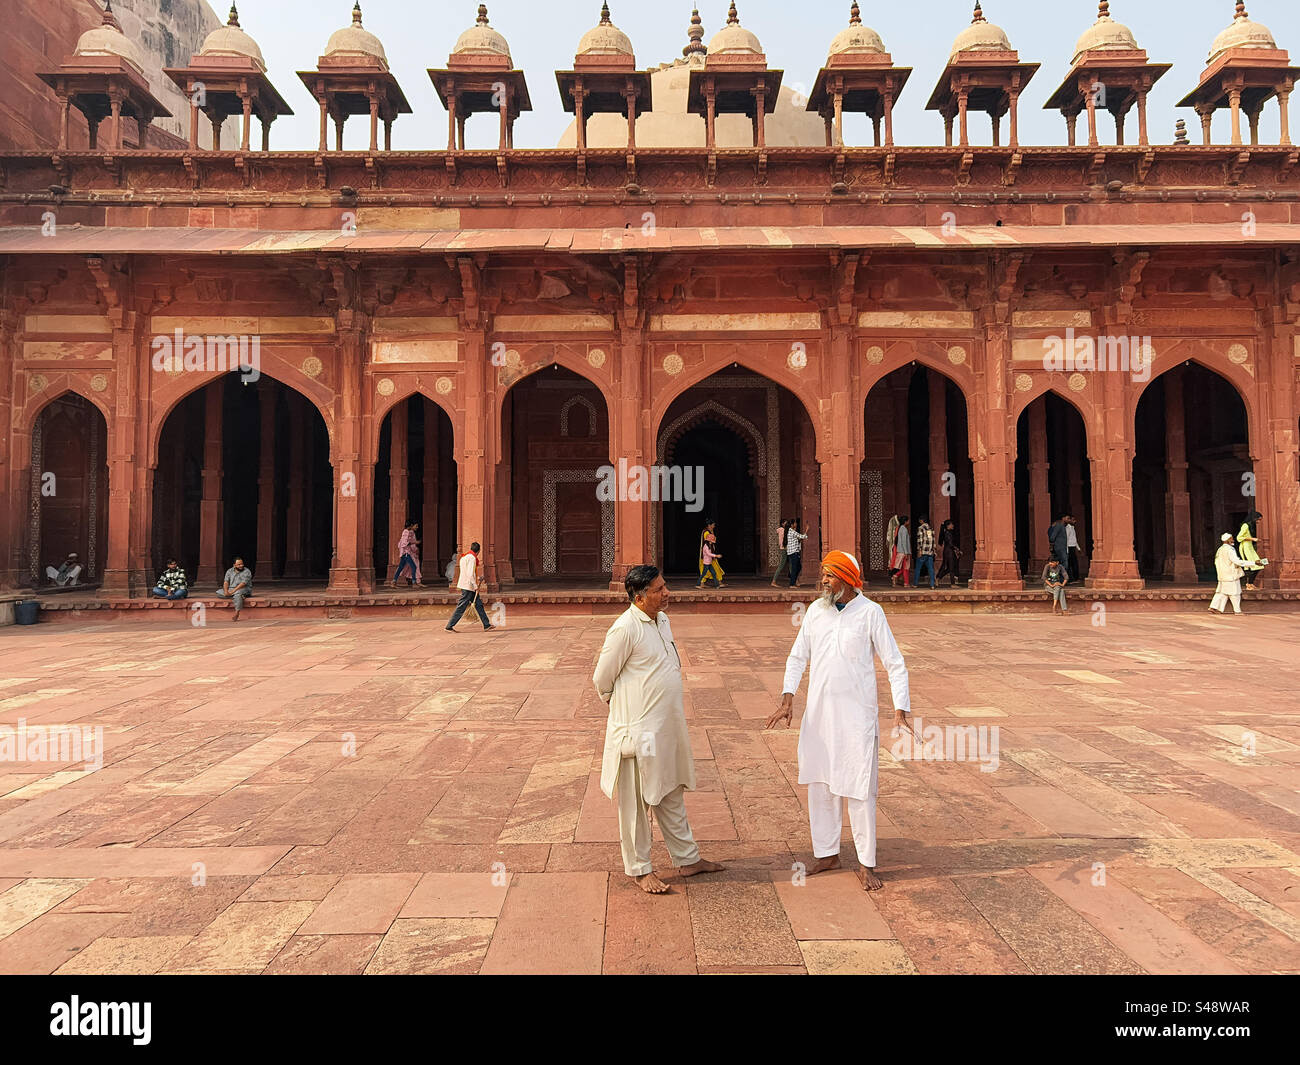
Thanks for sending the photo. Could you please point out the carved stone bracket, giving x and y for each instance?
(1012, 170)
(1095, 168)
(1144, 165)
(1236, 167)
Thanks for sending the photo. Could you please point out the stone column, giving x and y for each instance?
(1179, 565)
(1040, 497)
(1234, 102)
(841, 466)
(266, 487)
(1280, 531)
(475, 481)
(398, 481)
(1114, 566)
(1076, 460)
(631, 438)
(430, 558)
(899, 391)
(354, 474)
(510, 516)
(212, 514)
(122, 576)
(14, 487)
(940, 504)
(299, 472)
(995, 567)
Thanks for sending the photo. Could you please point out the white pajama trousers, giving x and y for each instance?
(634, 823)
(1220, 602)
(826, 819)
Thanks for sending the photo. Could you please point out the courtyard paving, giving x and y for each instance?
(380, 796)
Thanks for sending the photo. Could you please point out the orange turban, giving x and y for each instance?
(844, 566)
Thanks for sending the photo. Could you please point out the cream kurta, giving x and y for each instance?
(640, 675)
(839, 733)
(1229, 568)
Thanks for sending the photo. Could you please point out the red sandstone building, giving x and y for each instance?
(707, 277)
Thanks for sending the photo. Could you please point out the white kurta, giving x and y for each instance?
(639, 674)
(839, 734)
(1229, 568)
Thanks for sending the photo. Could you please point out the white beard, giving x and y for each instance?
(829, 598)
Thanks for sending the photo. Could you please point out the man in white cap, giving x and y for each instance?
(67, 575)
(839, 737)
(1230, 568)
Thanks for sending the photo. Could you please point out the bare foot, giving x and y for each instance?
(868, 879)
(701, 866)
(651, 884)
(824, 865)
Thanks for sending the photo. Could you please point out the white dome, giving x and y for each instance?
(481, 39)
(1106, 35)
(233, 41)
(355, 40)
(605, 39)
(857, 39)
(734, 39)
(981, 36)
(1243, 33)
(108, 39)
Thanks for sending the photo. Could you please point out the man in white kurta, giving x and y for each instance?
(839, 738)
(1229, 568)
(647, 760)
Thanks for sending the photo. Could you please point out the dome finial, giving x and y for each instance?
(234, 16)
(356, 13)
(733, 19)
(1241, 10)
(979, 14)
(109, 18)
(855, 14)
(604, 15)
(1103, 9)
(482, 19)
(696, 45)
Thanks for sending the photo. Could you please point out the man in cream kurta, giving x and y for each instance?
(647, 760)
(839, 737)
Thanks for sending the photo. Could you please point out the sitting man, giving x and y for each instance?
(237, 585)
(68, 575)
(172, 583)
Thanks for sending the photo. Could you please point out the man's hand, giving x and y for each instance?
(784, 712)
(902, 721)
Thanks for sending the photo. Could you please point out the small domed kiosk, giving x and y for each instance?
(104, 78)
(859, 78)
(480, 77)
(227, 76)
(1245, 70)
(984, 73)
(604, 80)
(1109, 71)
(352, 78)
(733, 79)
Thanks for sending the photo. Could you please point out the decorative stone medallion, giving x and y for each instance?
(673, 364)
(956, 355)
(1077, 382)
(596, 358)
(37, 383)
(875, 356)
(99, 382)
(1024, 382)
(385, 387)
(444, 385)
(312, 366)
(1238, 354)
(513, 359)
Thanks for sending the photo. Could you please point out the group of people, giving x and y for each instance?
(789, 541)
(906, 565)
(236, 585)
(1237, 558)
(647, 764)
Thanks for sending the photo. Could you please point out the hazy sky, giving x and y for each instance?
(544, 34)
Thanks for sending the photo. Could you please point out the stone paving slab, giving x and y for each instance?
(377, 796)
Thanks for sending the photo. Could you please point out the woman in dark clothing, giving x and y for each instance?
(951, 552)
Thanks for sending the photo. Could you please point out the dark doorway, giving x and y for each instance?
(70, 491)
(730, 499)
(1053, 478)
